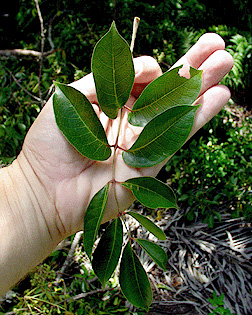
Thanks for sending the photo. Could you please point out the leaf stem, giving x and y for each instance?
(114, 158)
(129, 109)
(134, 32)
(117, 147)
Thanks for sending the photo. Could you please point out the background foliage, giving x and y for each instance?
(213, 171)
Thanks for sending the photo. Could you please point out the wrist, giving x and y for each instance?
(28, 233)
(32, 202)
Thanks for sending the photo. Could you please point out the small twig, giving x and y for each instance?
(50, 31)
(84, 295)
(50, 28)
(42, 34)
(91, 31)
(27, 92)
(15, 312)
(134, 32)
(69, 256)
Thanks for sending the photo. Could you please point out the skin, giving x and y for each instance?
(45, 191)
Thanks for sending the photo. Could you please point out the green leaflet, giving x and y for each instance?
(168, 90)
(93, 217)
(151, 192)
(133, 280)
(154, 251)
(113, 71)
(148, 224)
(108, 250)
(78, 122)
(161, 137)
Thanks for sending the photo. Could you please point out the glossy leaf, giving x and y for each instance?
(133, 280)
(149, 225)
(79, 123)
(161, 137)
(93, 217)
(151, 192)
(168, 90)
(108, 250)
(113, 71)
(155, 252)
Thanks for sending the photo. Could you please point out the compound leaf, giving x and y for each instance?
(151, 192)
(168, 90)
(133, 280)
(113, 71)
(148, 224)
(93, 217)
(161, 137)
(108, 250)
(155, 252)
(79, 123)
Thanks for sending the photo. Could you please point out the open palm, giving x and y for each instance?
(71, 180)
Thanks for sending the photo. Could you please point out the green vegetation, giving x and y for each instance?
(217, 302)
(212, 173)
(44, 297)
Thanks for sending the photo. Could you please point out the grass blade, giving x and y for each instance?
(151, 192)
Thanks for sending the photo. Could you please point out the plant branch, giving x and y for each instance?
(68, 260)
(6, 53)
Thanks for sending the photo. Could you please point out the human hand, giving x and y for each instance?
(71, 180)
(45, 191)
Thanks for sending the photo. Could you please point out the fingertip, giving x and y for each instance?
(229, 60)
(206, 45)
(211, 40)
(146, 69)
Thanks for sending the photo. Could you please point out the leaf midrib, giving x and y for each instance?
(157, 137)
(149, 190)
(86, 126)
(165, 95)
(101, 212)
(113, 246)
(138, 284)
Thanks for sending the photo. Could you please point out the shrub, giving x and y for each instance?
(214, 171)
